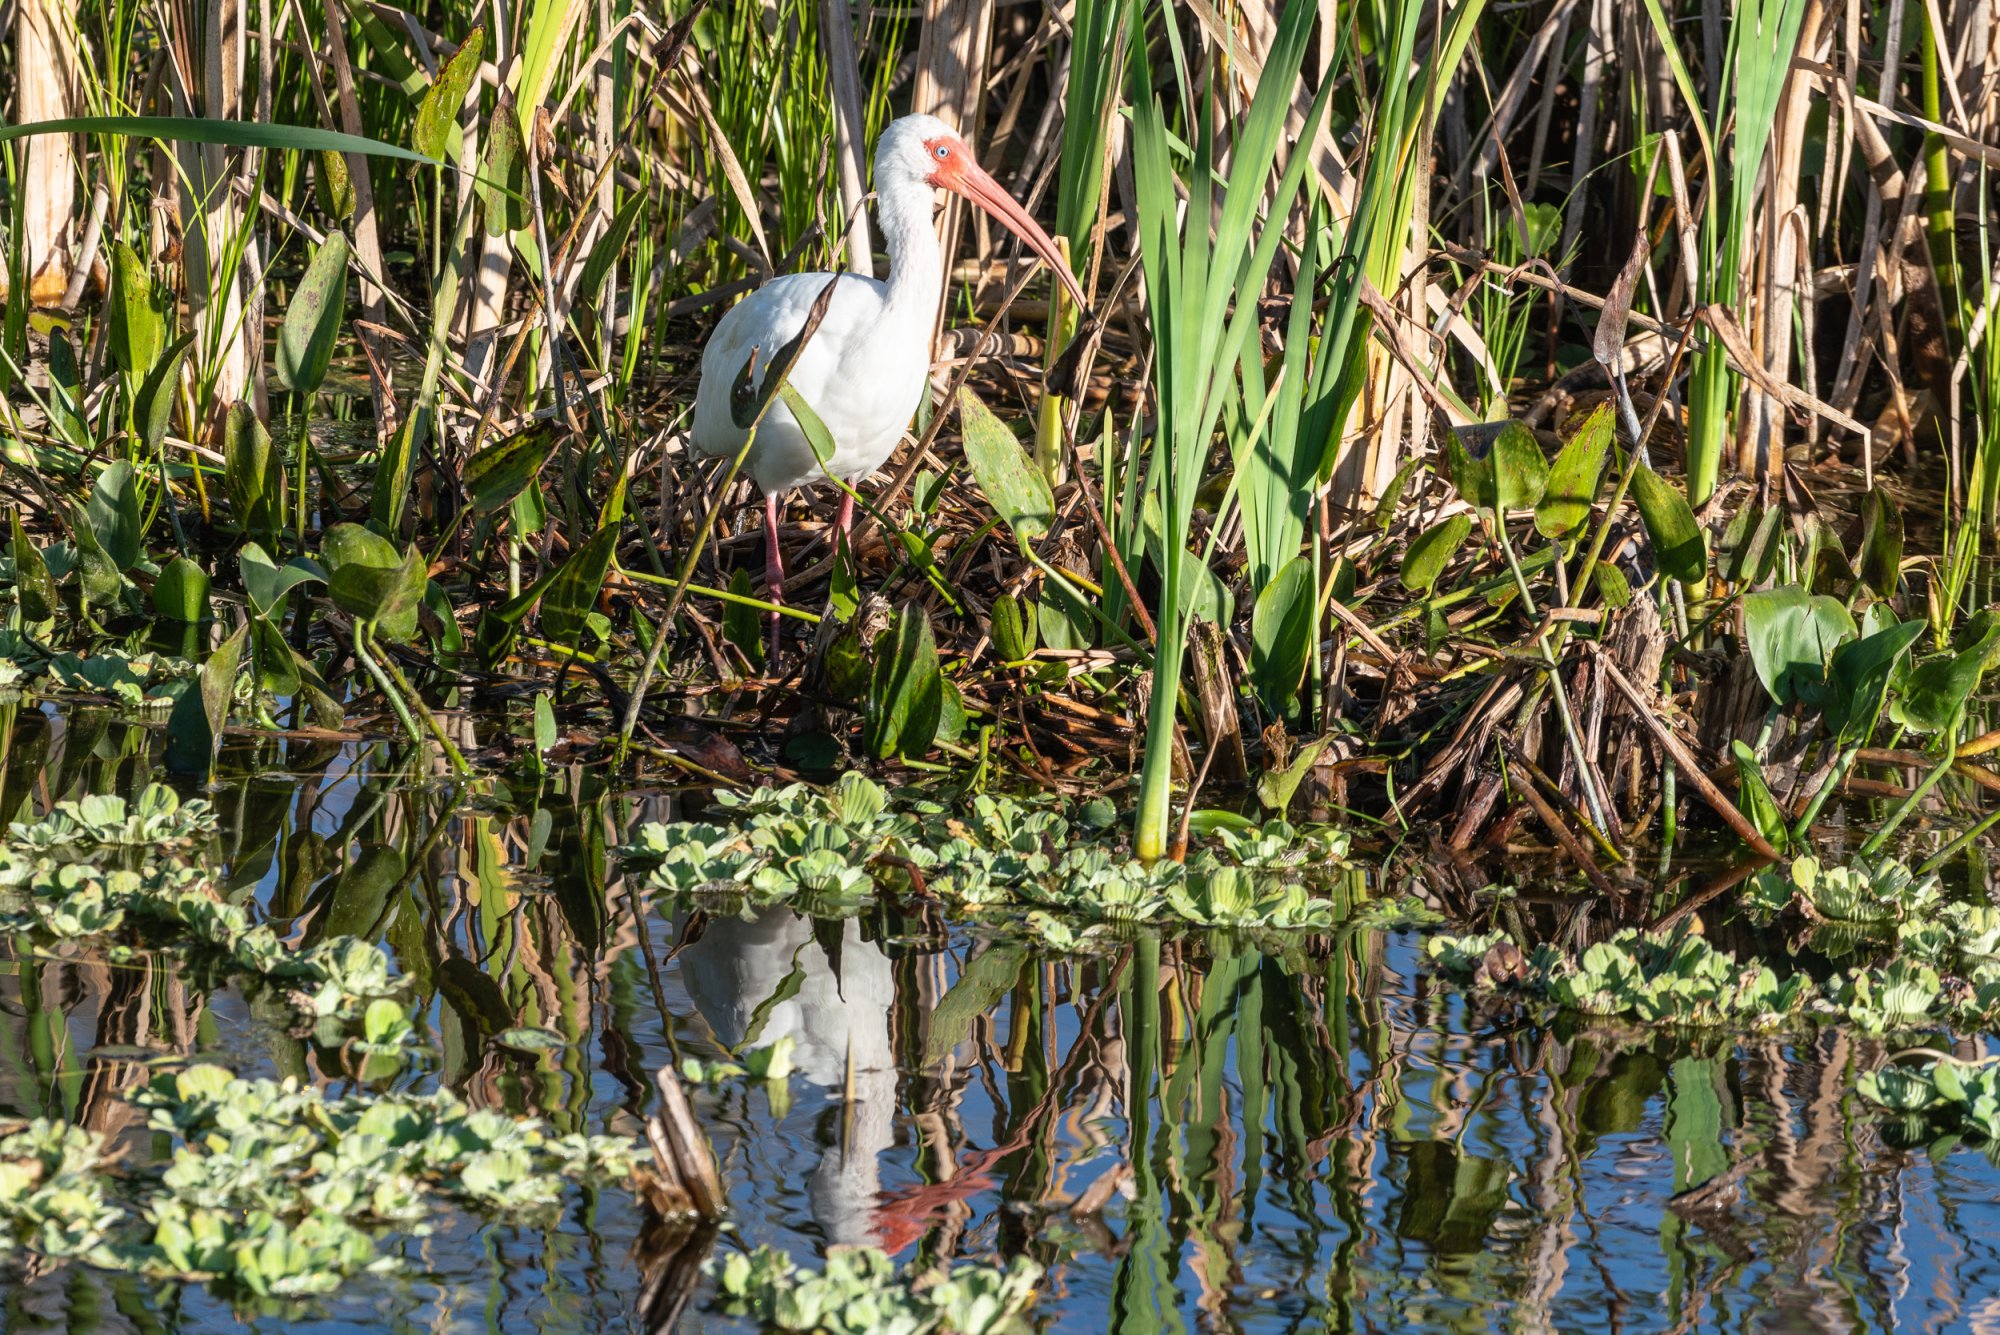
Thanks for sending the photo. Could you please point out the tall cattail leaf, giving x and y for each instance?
(550, 23)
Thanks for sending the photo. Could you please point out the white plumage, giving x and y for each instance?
(865, 389)
(863, 372)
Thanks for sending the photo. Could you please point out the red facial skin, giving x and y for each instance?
(957, 172)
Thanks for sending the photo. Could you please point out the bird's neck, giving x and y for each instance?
(916, 268)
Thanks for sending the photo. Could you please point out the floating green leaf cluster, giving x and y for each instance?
(1965, 1098)
(1861, 898)
(1965, 935)
(1658, 979)
(157, 819)
(838, 845)
(138, 681)
(52, 1198)
(1685, 980)
(861, 1292)
(270, 1186)
(102, 867)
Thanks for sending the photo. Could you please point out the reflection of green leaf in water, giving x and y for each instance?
(1695, 1121)
(981, 984)
(474, 995)
(1450, 1197)
(530, 1038)
(358, 898)
(787, 988)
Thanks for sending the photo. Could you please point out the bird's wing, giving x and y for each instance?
(763, 323)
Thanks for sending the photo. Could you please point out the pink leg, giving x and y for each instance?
(774, 566)
(844, 522)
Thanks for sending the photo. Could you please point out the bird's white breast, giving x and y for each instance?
(863, 372)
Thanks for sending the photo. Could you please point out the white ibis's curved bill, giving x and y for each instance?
(965, 177)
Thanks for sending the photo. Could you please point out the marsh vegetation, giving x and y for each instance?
(1440, 672)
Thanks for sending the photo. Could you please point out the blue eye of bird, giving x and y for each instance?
(943, 152)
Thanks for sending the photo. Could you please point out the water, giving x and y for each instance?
(1327, 1137)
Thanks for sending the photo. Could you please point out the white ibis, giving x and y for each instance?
(865, 367)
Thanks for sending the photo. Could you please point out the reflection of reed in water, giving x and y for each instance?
(838, 1017)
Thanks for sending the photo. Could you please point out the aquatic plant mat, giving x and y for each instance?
(332, 1040)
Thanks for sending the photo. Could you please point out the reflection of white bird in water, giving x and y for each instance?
(863, 371)
(737, 966)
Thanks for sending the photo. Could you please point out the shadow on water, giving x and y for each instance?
(1194, 1133)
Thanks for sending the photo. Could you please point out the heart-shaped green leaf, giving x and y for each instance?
(34, 587)
(1574, 478)
(906, 690)
(1014, 628)
(1281, 636)
(572, 593)
(1679, 547)
(1520, 471)
(1791, 636)
(1429, 551)
(313, 321)
(333, 186)
(114, 517)
(1473, 478)
(98, 576)
(742, 625)
(253, 472)
(1860, 675)
(64, 398)
(135, 323)
(1753, 797)
(154, 406)
(1936, 691)
(369, 581)
(181, 591)
(439, 110)
(497, 474)
(1015, 488)
(1881, 543)
(200, 714)
(275, 660)
(267, 583)
(503, 177)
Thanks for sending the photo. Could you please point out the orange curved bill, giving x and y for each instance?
(972, 182)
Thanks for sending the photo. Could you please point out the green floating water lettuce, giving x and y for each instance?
(837, 846)
(1685, 981)
(1863, 893)
(1960, 1097)
(1657, 979)
(277, 1190)
(861, 1292)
